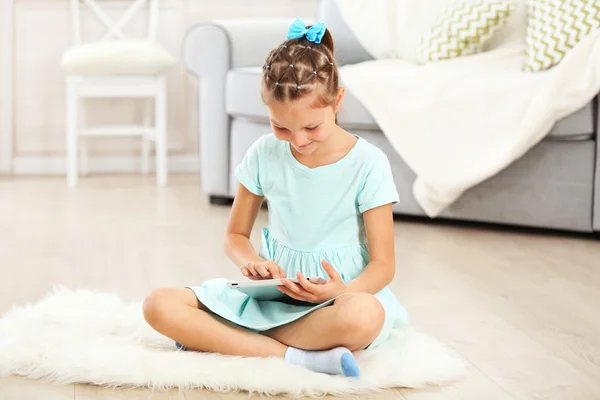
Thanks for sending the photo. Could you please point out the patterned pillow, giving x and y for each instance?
(463, 29)
(555, 27)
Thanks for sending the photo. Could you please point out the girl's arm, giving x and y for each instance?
(379, 226)
(237, 238)
(241, 221)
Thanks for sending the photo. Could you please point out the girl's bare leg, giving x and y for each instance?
(177, 314)
(353, 321)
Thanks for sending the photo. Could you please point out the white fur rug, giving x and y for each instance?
(83, 336)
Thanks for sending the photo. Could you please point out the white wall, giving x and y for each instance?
(32, 110)
(6, 89)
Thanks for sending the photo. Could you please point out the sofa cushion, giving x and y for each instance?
(243, 100)
(463, 29)
(555, 27)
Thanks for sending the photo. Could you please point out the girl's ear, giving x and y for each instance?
(339, 98)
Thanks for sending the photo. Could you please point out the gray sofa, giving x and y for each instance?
(555, 185)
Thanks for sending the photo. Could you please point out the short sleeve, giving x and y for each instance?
(248, 171)
(378, 188)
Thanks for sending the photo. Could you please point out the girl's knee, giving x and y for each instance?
(159, 304)
(362, 316)
(155, 305)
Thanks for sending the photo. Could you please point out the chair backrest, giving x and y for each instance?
(114, 28)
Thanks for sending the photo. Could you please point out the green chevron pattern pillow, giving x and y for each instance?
(555, 27)
(463, 29)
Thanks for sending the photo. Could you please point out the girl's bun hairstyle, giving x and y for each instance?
(298, 68)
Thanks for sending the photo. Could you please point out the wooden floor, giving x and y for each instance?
(523, 308)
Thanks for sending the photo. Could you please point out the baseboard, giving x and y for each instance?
(23, 165)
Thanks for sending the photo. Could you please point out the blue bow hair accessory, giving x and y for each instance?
(313, 34)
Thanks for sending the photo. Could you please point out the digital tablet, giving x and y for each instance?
(266, 289)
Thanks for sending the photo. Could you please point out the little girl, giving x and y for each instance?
(330, 197)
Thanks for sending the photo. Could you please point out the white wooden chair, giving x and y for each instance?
(116, 67)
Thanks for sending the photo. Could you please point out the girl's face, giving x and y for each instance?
(301, 124)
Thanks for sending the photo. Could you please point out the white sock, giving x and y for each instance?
(338, 361)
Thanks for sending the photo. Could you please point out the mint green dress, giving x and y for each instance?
(314, 214)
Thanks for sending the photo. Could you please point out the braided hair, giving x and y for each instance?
(298, 68)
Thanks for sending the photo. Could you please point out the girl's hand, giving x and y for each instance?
(315, 293)
(262, 270)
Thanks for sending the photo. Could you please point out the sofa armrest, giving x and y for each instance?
(233, 43)
(210, 50)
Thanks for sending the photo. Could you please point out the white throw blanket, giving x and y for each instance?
(456, 123)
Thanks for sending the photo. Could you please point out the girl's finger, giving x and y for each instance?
(275, 272)
(252, 269)
(245, 271)
(290, 285)
(288, 292)
(331, 272)
(294, 287)
(253, 275)
(257, 270)
(308, 286)
(263, 271)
